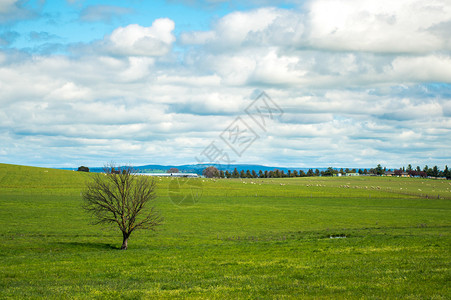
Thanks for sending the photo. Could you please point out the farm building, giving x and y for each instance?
(397, 173)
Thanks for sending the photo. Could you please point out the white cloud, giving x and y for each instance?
(233, 29)
(264, 26)
(330, 45)
(135, 40)
(211, 81)
(386, 26)
(404, 26)
(434, 68)
(69, 91)
(278, 69)
(138, 68)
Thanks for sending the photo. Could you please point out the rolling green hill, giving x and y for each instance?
(25, 178)
(368, 237)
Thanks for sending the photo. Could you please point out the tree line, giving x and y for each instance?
(425, 172)
(213, 172)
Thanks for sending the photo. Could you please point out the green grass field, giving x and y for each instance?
(250, 238)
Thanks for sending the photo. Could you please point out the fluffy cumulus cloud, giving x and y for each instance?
(360, 83)
(136, 40)
(262, 27)
(332, 42)
(404, 26)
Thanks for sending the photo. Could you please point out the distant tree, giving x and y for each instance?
(416, 173)
(221, 174)
(173, 170)
(282, 174)
(227, 174)
(235, 173)
(418, 169)
(266, 174)
(242, 174)
(271, 174)
(254, 174)
(83, 169)
(301, 173)
(289, 173)
(447, 173)
(347, 170)
(310, 173)
(317, 172)
(360, 171)
(379, 170)
(295, 173)
(210, 172)
(341, 171)
(330, 172)
(260, 174)
(409, 168)
(248, 174)
(398, 172)
(365, 171)
(121, 198)
(435, 171)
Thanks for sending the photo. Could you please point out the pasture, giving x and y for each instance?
(362, 237)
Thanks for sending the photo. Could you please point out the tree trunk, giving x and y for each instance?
(125, 240)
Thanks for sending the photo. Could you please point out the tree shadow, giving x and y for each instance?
(104, 246)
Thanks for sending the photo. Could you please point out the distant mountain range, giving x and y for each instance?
(198, 168)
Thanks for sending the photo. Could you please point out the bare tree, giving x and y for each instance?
(121, 198)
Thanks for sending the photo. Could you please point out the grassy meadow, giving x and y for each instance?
(362, 237)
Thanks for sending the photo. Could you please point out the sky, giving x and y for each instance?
(314, 83)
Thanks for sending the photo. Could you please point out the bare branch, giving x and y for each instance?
(119, 196)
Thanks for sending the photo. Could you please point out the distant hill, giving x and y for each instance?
(198, 168)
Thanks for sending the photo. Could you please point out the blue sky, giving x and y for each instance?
(359, 82)
(69, 22)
